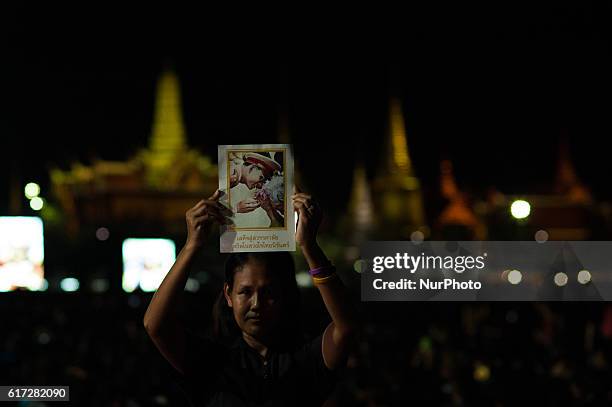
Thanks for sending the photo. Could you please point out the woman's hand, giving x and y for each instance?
(200, 218)
(309, 219)
(247, 205)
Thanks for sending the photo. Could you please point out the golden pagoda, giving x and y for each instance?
(397, 191)
(154, 188)
(360, 223)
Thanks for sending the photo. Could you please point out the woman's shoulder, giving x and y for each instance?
(308, 363)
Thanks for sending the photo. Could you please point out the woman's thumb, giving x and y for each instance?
(216, 195)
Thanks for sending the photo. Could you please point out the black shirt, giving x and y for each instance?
(238, 375)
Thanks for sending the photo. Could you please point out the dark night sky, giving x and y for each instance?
(492, 89)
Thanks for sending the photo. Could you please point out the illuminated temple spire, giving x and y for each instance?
(397, 190)
(168, 133)
(360, 213)
(457, 220)
(567, 182)
(400, 162)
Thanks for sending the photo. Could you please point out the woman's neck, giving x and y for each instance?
(256, 344)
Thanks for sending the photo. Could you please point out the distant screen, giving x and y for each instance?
(21, 253)
(146, 262)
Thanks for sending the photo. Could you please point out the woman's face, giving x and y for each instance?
(253, 176)
(255, 300)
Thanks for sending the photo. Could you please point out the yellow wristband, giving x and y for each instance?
(320, 280)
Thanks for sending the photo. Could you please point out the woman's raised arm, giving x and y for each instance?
(161, 319)
(338, 336)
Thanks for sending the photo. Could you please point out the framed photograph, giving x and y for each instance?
(257, 181)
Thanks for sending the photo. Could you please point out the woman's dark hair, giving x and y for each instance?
(282, 269)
